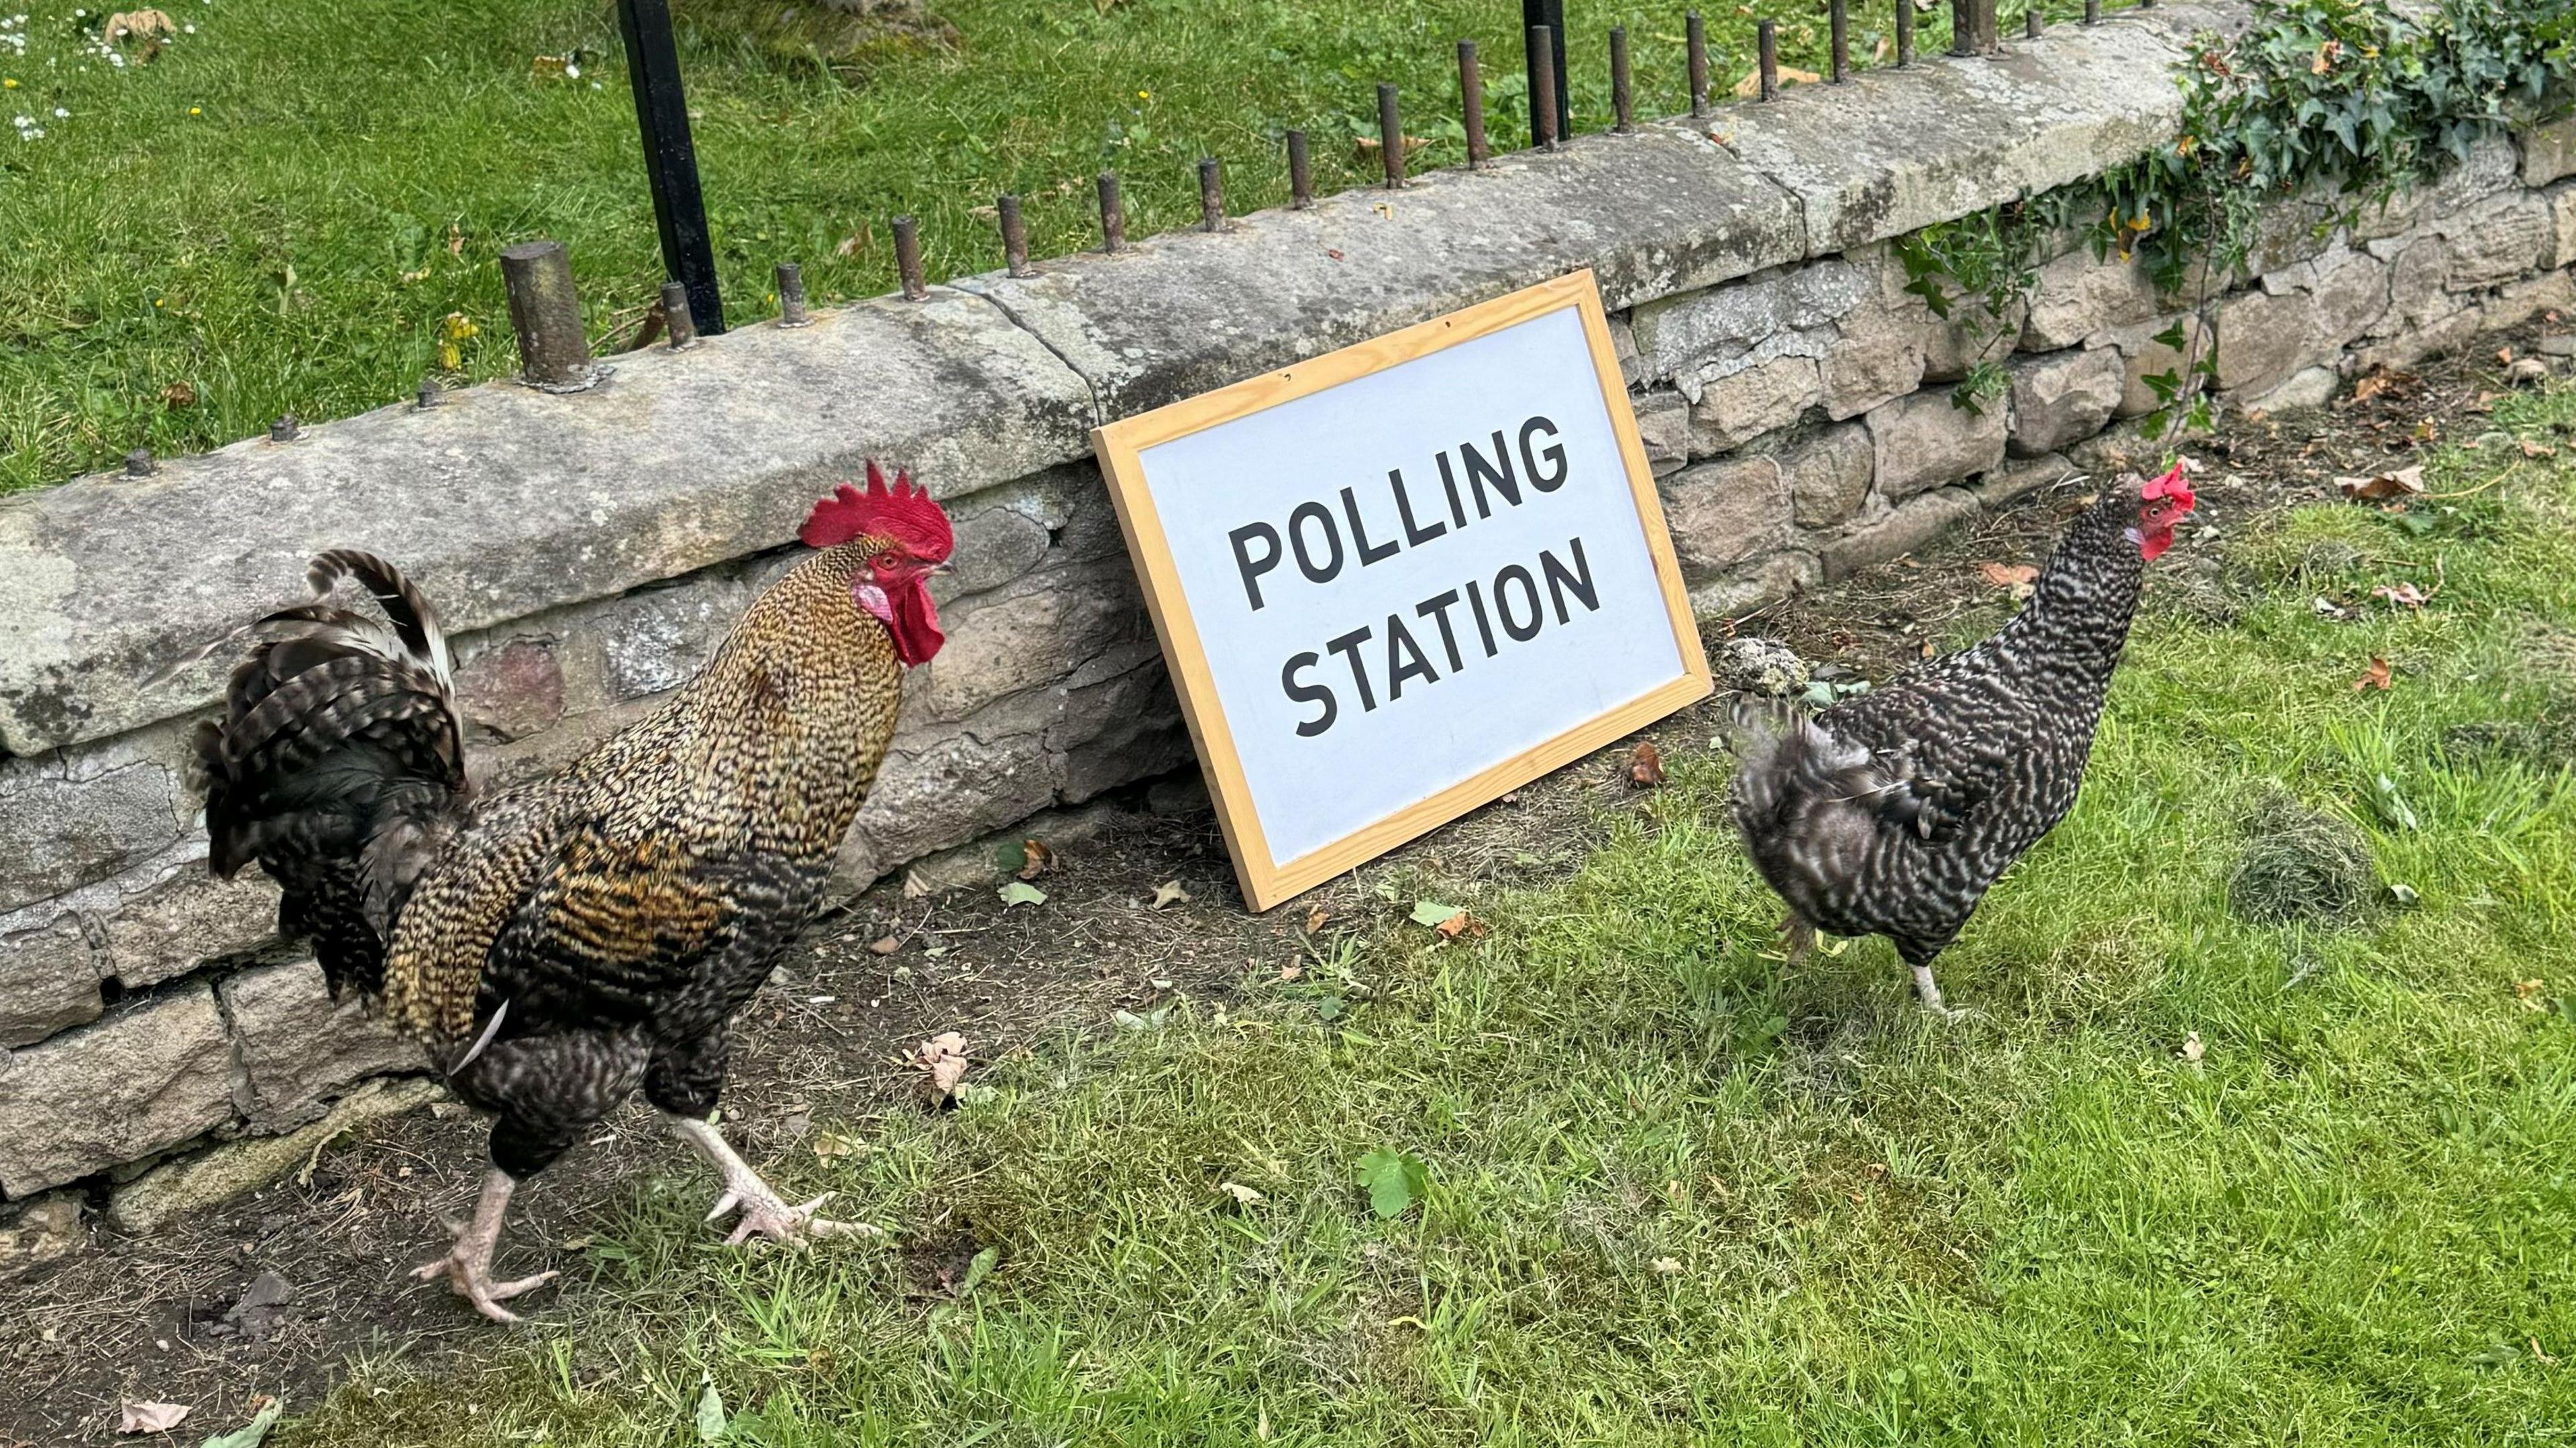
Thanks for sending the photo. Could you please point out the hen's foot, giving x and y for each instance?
(468, 1265)
(1800, 937)
(764, 1213)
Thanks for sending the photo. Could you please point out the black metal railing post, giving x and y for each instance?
(670, 159)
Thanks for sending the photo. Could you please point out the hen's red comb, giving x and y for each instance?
(2172, 486)
(901, 514)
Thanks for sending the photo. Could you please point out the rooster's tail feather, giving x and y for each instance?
(340, 762)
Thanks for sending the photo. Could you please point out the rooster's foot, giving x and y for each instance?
(764, 1213)
(468, 1265)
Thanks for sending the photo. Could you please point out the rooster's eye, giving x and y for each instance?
(885, 560)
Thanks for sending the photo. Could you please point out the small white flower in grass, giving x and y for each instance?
(572, 72)
(61, 115)
(190, 29)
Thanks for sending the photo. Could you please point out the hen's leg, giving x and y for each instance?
(1929, 992)
(468, 1265)
(682, 1081)
(1801, 937)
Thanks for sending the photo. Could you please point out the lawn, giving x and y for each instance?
(2190, 1180)
(297, 206)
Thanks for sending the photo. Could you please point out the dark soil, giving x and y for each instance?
(154, 1318)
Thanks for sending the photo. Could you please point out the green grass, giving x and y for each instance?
(1676, 1196)
(260, 219)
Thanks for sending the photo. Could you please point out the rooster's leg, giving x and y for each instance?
(468, 1265)
(763, 1212)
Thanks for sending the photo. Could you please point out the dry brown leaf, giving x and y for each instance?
(1315, 919)
(1667, 1266)
(1645, 765)
(2528, 992)
(884, 945)
(455, 239)
(2192, 1050)
(857, 241)
(1878, 52)
(2375, 678)
(1459, 924)
(914, 886)
(1369, 146)
(1751, 85)
(2379, 380)
(151, 27)
(1040, 859)
(1291, 972)
(832, 1144)
(2008, 575)
(2404, 483)
(152, 1417)
(1169, 893)
(179, 394)
(2531, 449)
(943, 1058)
(1244, 1196)
(2404, 595)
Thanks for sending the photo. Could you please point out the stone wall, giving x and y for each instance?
(589, 550)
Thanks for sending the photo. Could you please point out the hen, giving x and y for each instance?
(1893, 812)
(557, 945)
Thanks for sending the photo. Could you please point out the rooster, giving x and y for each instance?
(1893, 812)
(558, 945)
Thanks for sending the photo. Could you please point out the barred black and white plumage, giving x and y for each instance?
(561, 944)
(1893, 812)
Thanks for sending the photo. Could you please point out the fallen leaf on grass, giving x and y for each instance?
(152, 1417)
(2192, 1050)
(711, 1412)
(455, 239)
(151, 27)
(2376, 677)
(1244, 1196)
(2008, 575)
(2391, 805)
(943, 1059)
(2532, 449)
(2403, 483)
(1459, 924)
(2529, 993)
(1645, 765)
(1169, 893)
(1369, 147)
(1291, 972)
(1394, 1180)
(2404, 595)
(832, 1143)
(1434, 914)
(1020, 892)
(179, 394)
(1315, 919)
(254, 1432)
(1039, 859)
(2377, 381)
(1751, 85)
(1667, 1266)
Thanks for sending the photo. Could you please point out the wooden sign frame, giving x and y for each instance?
(1119, 445)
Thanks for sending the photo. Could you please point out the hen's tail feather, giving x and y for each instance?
(340, 763)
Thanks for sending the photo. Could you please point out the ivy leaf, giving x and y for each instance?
(711, 1414)
(1020, 892)
(1433, 914)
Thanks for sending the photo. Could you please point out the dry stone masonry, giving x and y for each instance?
(157, 1045)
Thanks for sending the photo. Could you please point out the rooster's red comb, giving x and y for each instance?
(2172, 486)
(901, 514)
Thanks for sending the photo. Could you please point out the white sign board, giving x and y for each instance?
(1404, 578)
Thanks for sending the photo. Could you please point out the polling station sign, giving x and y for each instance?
(1402, 579)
